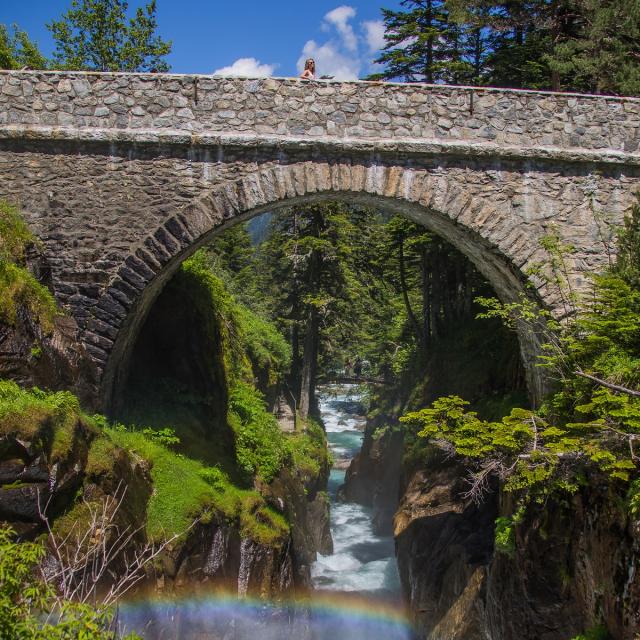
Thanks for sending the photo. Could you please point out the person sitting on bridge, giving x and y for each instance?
(357, 367)
(309, 72)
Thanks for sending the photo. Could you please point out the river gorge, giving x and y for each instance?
(355, 591)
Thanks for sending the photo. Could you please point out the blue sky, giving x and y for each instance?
(245, 37)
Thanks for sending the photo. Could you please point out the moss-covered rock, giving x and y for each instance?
(38, 344)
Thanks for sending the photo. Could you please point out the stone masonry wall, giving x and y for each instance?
(290, 107)
(122, 176)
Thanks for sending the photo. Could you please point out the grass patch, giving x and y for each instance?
(251, 343)
(15, 235)
(18, 287)
(309, 451)
(598, 632)
(102, 455)
(185, 489)
(261, 448)
(53, 419)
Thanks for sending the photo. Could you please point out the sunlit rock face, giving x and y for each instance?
(123, 176)
(216, 556)
(444, 544)
(572, 567)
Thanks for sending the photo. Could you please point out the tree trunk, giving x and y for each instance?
(309, 366)
(405, 293)
(311, 341)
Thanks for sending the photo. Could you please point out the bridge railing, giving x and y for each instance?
(188, 108)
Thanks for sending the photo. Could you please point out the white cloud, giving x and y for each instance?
(339, 18)
(374, 34)
(329, 61)
(350, 47)
(247, 68)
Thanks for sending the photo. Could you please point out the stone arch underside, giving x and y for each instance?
(496, 216)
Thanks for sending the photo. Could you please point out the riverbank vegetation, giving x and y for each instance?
(18, 286)
(169, 488)
(587, 429)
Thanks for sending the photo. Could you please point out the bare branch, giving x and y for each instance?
(479, 482)
(90, 556)
(608, 385)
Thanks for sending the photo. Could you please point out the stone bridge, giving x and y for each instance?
(123, 176)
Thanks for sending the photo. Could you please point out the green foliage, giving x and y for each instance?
(591, 423)
(422, 44)
(505, 539)
(29, 607)
(446, 419)
(600, 52)
(266, 348)
(18, 287)
(579, 45)
(185, 489)
(15, 235)
(95, 35)
(252, 345)
(628, 261)
(261, 448)
(52, 419)
(344, 282)
(599, 632)
(166, 436)
(633, 499)
(309, 450)
(18, 51)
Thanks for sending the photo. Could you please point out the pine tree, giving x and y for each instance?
(601, 53)
(473, 18)
(94, 35)
(422, 44)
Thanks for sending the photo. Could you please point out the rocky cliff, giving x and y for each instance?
(56, 461)
(373, 476)
(573, 565)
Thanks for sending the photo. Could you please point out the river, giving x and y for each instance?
(356, 589)
(362, 562)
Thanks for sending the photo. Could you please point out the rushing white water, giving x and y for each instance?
(362, 562)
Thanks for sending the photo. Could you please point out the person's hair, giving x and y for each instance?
(310, 64)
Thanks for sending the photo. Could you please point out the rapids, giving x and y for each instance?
(362, 562)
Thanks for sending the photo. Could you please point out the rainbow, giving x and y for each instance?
(320, 616)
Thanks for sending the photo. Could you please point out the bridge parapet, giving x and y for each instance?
(200, 109)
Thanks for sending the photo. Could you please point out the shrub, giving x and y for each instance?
(18, 287)
(261, 448)
(30, 608)
(505, 539)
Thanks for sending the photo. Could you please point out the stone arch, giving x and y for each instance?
(482, 228)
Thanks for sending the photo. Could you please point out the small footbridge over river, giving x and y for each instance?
(123, 176)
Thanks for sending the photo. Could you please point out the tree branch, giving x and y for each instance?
(608, 385)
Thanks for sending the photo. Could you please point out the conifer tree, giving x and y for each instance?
(422, 44)
(601, 51)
